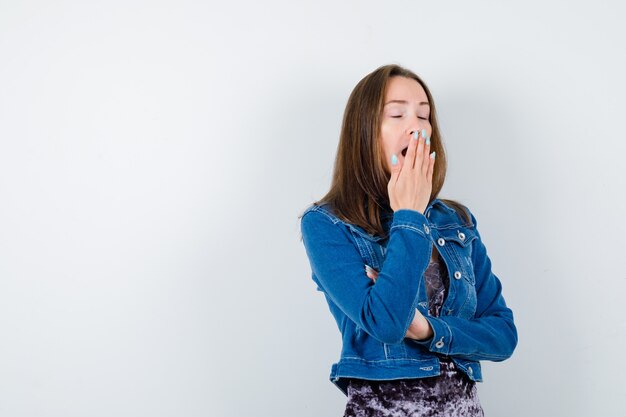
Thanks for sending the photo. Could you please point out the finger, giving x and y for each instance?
(396, 167)
(426, 161)
(431, 167)
(370, 272)
(409, 158)
(419, 152)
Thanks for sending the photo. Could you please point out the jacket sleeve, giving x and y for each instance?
(384, 310)
(491, 334)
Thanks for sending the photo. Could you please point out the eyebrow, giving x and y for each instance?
(406, 102)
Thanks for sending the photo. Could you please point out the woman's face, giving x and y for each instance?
(406, 110)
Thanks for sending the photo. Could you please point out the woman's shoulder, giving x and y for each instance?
(320, 225)
(319, 217)
(324, 209)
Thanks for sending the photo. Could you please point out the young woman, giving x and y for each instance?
(405, 274)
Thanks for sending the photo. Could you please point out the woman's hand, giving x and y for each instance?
(410, 184)
(420, 327)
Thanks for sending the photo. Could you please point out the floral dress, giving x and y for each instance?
(450, 394)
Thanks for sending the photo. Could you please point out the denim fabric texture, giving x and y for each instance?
(373, 317)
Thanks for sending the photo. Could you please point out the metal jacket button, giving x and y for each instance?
(439, 344)
(461, 235)
(426, 229)
(457, 274)
(441, 242)
(470, 370)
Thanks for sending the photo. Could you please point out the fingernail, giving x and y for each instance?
(416, 135)
(428, 140)
(424, 133)
(394, 160)
(432, 155)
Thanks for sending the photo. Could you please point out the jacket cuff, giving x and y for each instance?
(412, 220)
(425, 342)
(442, 336)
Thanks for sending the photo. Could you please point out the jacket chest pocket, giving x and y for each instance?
(456, 246)
(372, 252)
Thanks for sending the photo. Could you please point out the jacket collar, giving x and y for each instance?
(435, 202)
(438, 202)
(388, 216)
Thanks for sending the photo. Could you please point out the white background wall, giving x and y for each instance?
(155, 155)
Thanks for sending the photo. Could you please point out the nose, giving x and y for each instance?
(413, 127)
(416, 125)
(417, 129)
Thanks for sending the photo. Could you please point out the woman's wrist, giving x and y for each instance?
(420, 328)
(426, 330)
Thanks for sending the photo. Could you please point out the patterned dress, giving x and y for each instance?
(450, 394)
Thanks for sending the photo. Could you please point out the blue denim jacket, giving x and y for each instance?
(373, 317)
